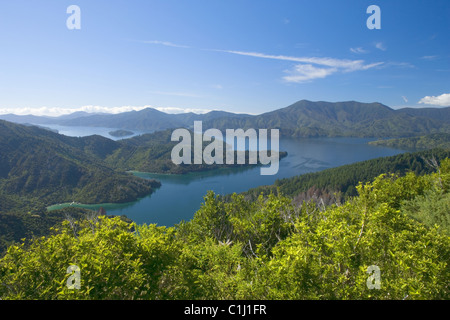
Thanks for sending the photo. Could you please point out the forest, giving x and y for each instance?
(271, 248)
(435, 140)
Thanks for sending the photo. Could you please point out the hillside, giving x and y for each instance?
(435, 140)
(152, 153)
(50, 168)
(343, 180)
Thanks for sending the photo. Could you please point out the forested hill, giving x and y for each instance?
(435, 140)
(39, 166)
(152, 153)
(343, 180)
(301, 119)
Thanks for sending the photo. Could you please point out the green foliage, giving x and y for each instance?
(431, 141)
(114, 262)
(270, 248)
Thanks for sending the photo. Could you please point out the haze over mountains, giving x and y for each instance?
(301, 119)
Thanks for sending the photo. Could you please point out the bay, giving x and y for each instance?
(180, 196)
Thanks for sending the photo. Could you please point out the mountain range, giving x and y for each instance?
(301, 119)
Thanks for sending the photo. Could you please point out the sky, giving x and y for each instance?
(243, 56)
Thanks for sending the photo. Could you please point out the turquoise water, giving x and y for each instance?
(181, 195)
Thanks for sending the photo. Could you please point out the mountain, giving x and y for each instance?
(317, 119)
(301, 119)
(148, 120)
(26, 118)
(37, 164)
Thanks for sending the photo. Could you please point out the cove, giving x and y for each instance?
(180, 196)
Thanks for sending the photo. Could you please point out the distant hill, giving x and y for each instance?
(435, 140)
(301, 119)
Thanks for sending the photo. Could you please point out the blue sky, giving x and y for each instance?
(249, 56)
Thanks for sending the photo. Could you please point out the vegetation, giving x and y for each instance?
(39, 166)
(270, 248)
(121, 133)
(152, 153)
(436, 140)
(337, 184)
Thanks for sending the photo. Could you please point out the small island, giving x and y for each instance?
(121, 133)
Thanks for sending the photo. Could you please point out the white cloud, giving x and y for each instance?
(443, 100)
(405, 99)
(164, 43)
(329, 62)
(175, 110)
(58, 111)
(358, 50)
(304, 71)
(429, 57)
(380, 46)
(307, 72)
(55, 111)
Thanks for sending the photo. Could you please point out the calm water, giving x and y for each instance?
(87, 131)
(180, 196)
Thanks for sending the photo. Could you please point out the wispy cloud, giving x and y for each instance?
(175, 110)
(405, 99)
(307, 72)
(443, 100)
(329, 62)
(311, 67)
(380, 46)
(164, 43)
(358, 50)
(429, 57)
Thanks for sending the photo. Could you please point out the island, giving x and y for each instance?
(121, 133)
